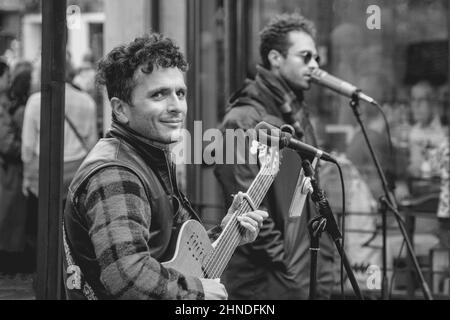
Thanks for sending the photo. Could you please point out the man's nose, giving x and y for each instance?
(313, 64)
(173, 103)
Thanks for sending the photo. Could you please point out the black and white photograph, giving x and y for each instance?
(237, 152)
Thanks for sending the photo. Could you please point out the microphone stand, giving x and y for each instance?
(316, 226)
(388, 201)
(324, 222)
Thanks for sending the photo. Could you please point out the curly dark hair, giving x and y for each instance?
(275, 35)
(116, 70)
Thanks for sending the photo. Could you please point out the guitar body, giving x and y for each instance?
(192, 249)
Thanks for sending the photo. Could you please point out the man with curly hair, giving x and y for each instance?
(124, 204)
(276, 265)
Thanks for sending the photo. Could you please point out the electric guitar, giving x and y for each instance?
(194, 254)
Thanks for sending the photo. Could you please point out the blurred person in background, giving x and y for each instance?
(36, 76)
(358, 151)
(85, 75)
(427, 132)
(12, 202)
(443, 100)
(440, 161)
(80, 135)
(85, 80)
(4, 126)
(4, 82)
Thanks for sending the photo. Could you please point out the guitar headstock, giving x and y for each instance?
(269, 158)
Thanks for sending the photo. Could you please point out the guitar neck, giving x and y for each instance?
(231, 235)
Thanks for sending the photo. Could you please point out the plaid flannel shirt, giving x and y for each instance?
(118, 215)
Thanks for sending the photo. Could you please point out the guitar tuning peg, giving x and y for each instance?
(254, 147)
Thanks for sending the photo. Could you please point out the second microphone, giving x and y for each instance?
(269, 134)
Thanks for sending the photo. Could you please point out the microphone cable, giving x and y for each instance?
(388, 130)
(391, 147)
(393, 153)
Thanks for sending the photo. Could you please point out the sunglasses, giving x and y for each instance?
(308, 55)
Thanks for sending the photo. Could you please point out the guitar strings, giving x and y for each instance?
(234, 231)
(221, 255)
(233, 228)
(230, 231)
(223, 258)
(226, 233)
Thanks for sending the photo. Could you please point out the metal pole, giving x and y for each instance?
(155, 15)
(194, 173)
(230, 28)
(51, 148)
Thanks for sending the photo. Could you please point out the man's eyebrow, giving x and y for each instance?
(182, 88)
(307, 50)
(167, 88)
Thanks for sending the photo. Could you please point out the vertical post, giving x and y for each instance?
(155, 15)
(51, 148)
(229, 44)
(236, 43)
(242, 40)
(194, 173)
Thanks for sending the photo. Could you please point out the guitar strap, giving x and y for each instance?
(75, 279)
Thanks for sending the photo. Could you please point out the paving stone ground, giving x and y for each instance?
(17, 286)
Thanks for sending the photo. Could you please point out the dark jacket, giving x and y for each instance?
(276, 265)
(151, 236)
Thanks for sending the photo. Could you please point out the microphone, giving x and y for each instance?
(271, 135)
(325, 79)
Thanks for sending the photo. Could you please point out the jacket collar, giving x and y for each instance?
(154, 152)
(278, 87)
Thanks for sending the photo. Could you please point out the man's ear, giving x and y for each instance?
(120, 110)
(275, 58)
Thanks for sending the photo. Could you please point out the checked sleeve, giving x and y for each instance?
(119, 218)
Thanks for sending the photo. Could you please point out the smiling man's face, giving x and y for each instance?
(158, 106)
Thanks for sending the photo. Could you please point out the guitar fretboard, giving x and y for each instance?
(231, 235)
